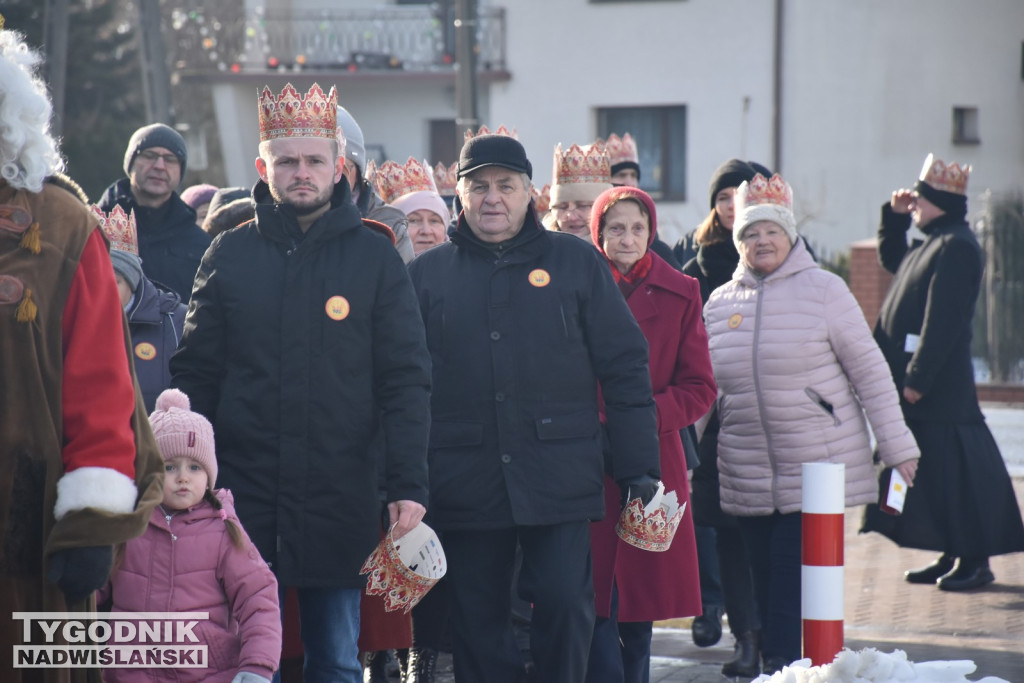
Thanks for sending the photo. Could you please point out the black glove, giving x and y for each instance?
(643, 487)
(80, 571)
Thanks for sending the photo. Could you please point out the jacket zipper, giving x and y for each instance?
(757, 391)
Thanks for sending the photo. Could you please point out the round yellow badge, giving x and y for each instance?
(337, 308)
(735, 320)
(539, 277)
(145, 351)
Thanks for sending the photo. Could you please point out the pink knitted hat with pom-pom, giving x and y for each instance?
(180, 432)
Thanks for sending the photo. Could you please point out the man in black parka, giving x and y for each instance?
(523, 325)
(962, 503)
(304, 347)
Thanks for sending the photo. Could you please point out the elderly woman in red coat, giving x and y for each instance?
(633, 587)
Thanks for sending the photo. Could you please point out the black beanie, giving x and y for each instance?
(493, 150)
(623, 165)
(155, 135)
(730, 174)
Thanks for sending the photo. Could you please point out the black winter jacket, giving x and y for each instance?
(155, 319)
(170, 243)
(307, 353)
(520, 336)
(932, 297)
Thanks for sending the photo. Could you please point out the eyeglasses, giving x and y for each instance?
(169, 159)
(578, 207)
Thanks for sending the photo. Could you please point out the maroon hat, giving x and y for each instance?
(608, 198)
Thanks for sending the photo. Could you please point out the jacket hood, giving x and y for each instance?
(605, 201)
(152, 301)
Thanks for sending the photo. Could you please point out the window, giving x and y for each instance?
(660, 134)
(444, 143)
(965, 126)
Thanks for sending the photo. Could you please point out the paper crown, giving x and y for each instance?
(621, 150)
(502, 130)
(541, 198)
(445, 178)
(652, 527)
(761, 190)
(403, 571)
(587, 164)
(393, 180)
(948, 178)
(119, 228)
(291, 115)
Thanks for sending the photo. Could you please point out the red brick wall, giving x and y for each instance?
(868, 280)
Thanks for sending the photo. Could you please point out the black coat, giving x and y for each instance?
(170, 243)
(155, 319)
(519, 337)
(306, 352)
(933, 295)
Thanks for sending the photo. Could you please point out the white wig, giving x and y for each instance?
(28, 153)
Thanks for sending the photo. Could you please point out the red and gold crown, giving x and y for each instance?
(587, 164)
(403, 571)
(291, 115)
(621, 150)
(651, 528)
(948, 178)
(541, 198)
(119, 228)
(393, 180)
(774, 190)
(502, 130)
(445, 178)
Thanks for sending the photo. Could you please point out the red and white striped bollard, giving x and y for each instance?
(824, 506)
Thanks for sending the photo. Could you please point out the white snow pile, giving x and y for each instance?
(871, 666)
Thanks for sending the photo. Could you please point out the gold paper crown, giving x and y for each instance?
(653, 532)
(541, 198)
(393, 180)
(445, 178)
(403, 585)
(587, 164)
(119, 228)
(768, 191)
(951, 178)
(293, 116)
(621, 150)
(502, 130)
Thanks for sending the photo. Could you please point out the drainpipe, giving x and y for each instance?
(465, 68)
(777, 88)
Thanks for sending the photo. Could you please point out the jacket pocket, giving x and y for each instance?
(824, 405)
(455, 434)
(576, 425)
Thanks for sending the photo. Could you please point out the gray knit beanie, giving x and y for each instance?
(155, 135)
(128, 266)
(355, 147)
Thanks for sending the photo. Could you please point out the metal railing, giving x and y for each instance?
(222, 37)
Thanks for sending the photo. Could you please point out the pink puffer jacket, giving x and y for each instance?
(795, 364)
(188, 564)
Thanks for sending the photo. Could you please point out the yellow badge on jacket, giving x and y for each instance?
(337, 308)
(145, 351)
(735, 320)
(539, 277)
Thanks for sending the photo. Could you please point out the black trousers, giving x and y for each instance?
(555, 577)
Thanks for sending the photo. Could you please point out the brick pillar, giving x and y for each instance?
(869, 281)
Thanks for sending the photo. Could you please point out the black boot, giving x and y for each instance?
(971, 572)
(774, 664)
(746, 660)
(933, 572)
(422, 665)
(375, 667)
(707, 628)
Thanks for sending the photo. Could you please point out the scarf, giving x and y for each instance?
(628, 282)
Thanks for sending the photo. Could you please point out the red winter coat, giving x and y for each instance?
(189, 565)
(654, 586)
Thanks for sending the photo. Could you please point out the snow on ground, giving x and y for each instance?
(871, 666)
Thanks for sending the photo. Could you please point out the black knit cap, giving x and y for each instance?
(155, 135)
(730, 174)
(493, 150)
(623, 165)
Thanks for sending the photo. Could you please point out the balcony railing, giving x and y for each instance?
(415, 38)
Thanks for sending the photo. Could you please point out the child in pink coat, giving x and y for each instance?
(195, 557)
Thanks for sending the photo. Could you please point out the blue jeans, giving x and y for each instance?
(329, 619)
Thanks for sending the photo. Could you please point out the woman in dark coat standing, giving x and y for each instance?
(719, 541)
(634, 587)
(962, 503)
